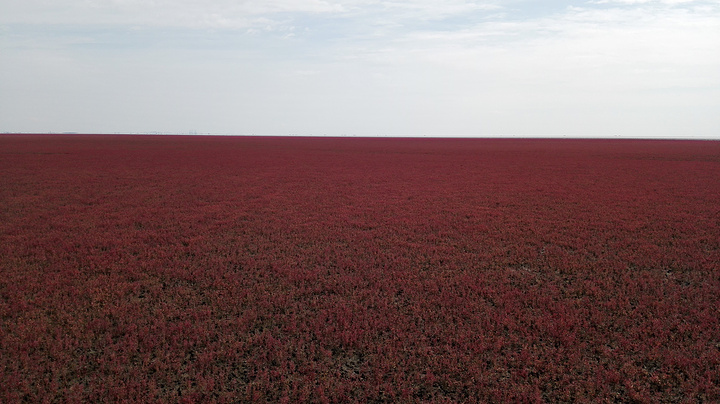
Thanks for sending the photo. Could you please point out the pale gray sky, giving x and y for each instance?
(646, 68)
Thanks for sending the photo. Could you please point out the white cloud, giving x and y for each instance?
(633, 2)
(217, 13)
(579, 38)
(175, 13)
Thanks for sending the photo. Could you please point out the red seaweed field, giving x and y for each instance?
(258, 269)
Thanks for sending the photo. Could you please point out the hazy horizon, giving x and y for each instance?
(386, 136)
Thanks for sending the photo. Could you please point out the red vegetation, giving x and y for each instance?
(187, 269)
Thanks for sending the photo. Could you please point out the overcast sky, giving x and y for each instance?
(640, 68)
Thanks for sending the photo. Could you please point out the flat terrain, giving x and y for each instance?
(226, 269)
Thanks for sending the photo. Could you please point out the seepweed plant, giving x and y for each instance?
(210, 269)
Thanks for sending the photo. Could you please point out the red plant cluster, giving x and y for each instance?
(226, 269)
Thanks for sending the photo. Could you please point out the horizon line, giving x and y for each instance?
(391, 136)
